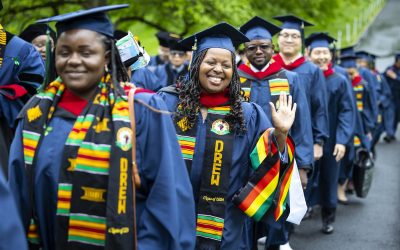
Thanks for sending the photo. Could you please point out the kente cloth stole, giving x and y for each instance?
(215, 174)
(3, 42)
(277, 82)
(94, 200)
(267, 190)
(359, 92)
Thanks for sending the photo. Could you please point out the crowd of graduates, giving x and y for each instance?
(233, 139)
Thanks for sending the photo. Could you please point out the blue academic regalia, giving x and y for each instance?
(256, 123)
(301, 131)
(372, 86)
(144, 78)
(340, 70)
(165, 209)
(384, 103)
(155, 61)
(316, 93)
(395, 88)
(12, 234)
(342, 114)
(22, 65)
(168, 76)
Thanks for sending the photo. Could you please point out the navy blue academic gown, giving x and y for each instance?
(22, 68)
(342, 114)
(372, 86)
(165, 209)
(301, 131)
(144, 78)
(316, 93)
(384, 104)
(12, 234)
(168, 76)
(256, 123)
(395, 88)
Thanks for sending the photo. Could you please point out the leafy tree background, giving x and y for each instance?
(184, 17)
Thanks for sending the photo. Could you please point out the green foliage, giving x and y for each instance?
(184, 17)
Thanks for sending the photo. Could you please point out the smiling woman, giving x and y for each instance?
(79, 178)
(217, 132)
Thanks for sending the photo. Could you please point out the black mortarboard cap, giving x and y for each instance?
(259, 28)
(293, 22)
(318, 40)
(222, 35)
(176, 45)
(35, 30)
(164, 37)
(94, 19)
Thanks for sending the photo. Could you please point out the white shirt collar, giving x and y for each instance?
(257, 70)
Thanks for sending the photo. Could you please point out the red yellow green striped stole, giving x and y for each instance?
(270, 182)
(3, 41)
(357, 141)
(359, 90)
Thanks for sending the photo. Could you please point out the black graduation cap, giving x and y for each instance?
(164, 37)
(94, 19)
(348, 61)
(175, 45)
(259, 28)
(293, 22)
(397, 56)
(35, 30)
(222, 35)
(318, 40)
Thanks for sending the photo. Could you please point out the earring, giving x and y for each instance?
(106, 68)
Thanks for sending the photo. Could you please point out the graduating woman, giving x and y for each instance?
(223, 139)
(72, 169)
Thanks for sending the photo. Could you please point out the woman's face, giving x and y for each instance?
(40, 45)
(80, 61)
(216, 70)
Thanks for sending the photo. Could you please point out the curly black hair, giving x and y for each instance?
(189, 97)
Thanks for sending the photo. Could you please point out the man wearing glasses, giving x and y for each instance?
(262, 81)
(169, 73)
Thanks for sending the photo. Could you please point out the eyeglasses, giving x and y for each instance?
(293, 36)
(177, 53)
(262, 47)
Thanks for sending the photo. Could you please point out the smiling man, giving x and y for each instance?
(262, 79)
(342, 114)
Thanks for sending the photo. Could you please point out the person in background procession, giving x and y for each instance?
(76, 182)
(290, 57)
(262, 79)
(36, 34)
(392, 74)
(386, 111)
(215, 126)
(143, 77)
(163, 49)
(21, 72)
(364, 124)
(176, 67)
(370, 79)
(342, 115)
